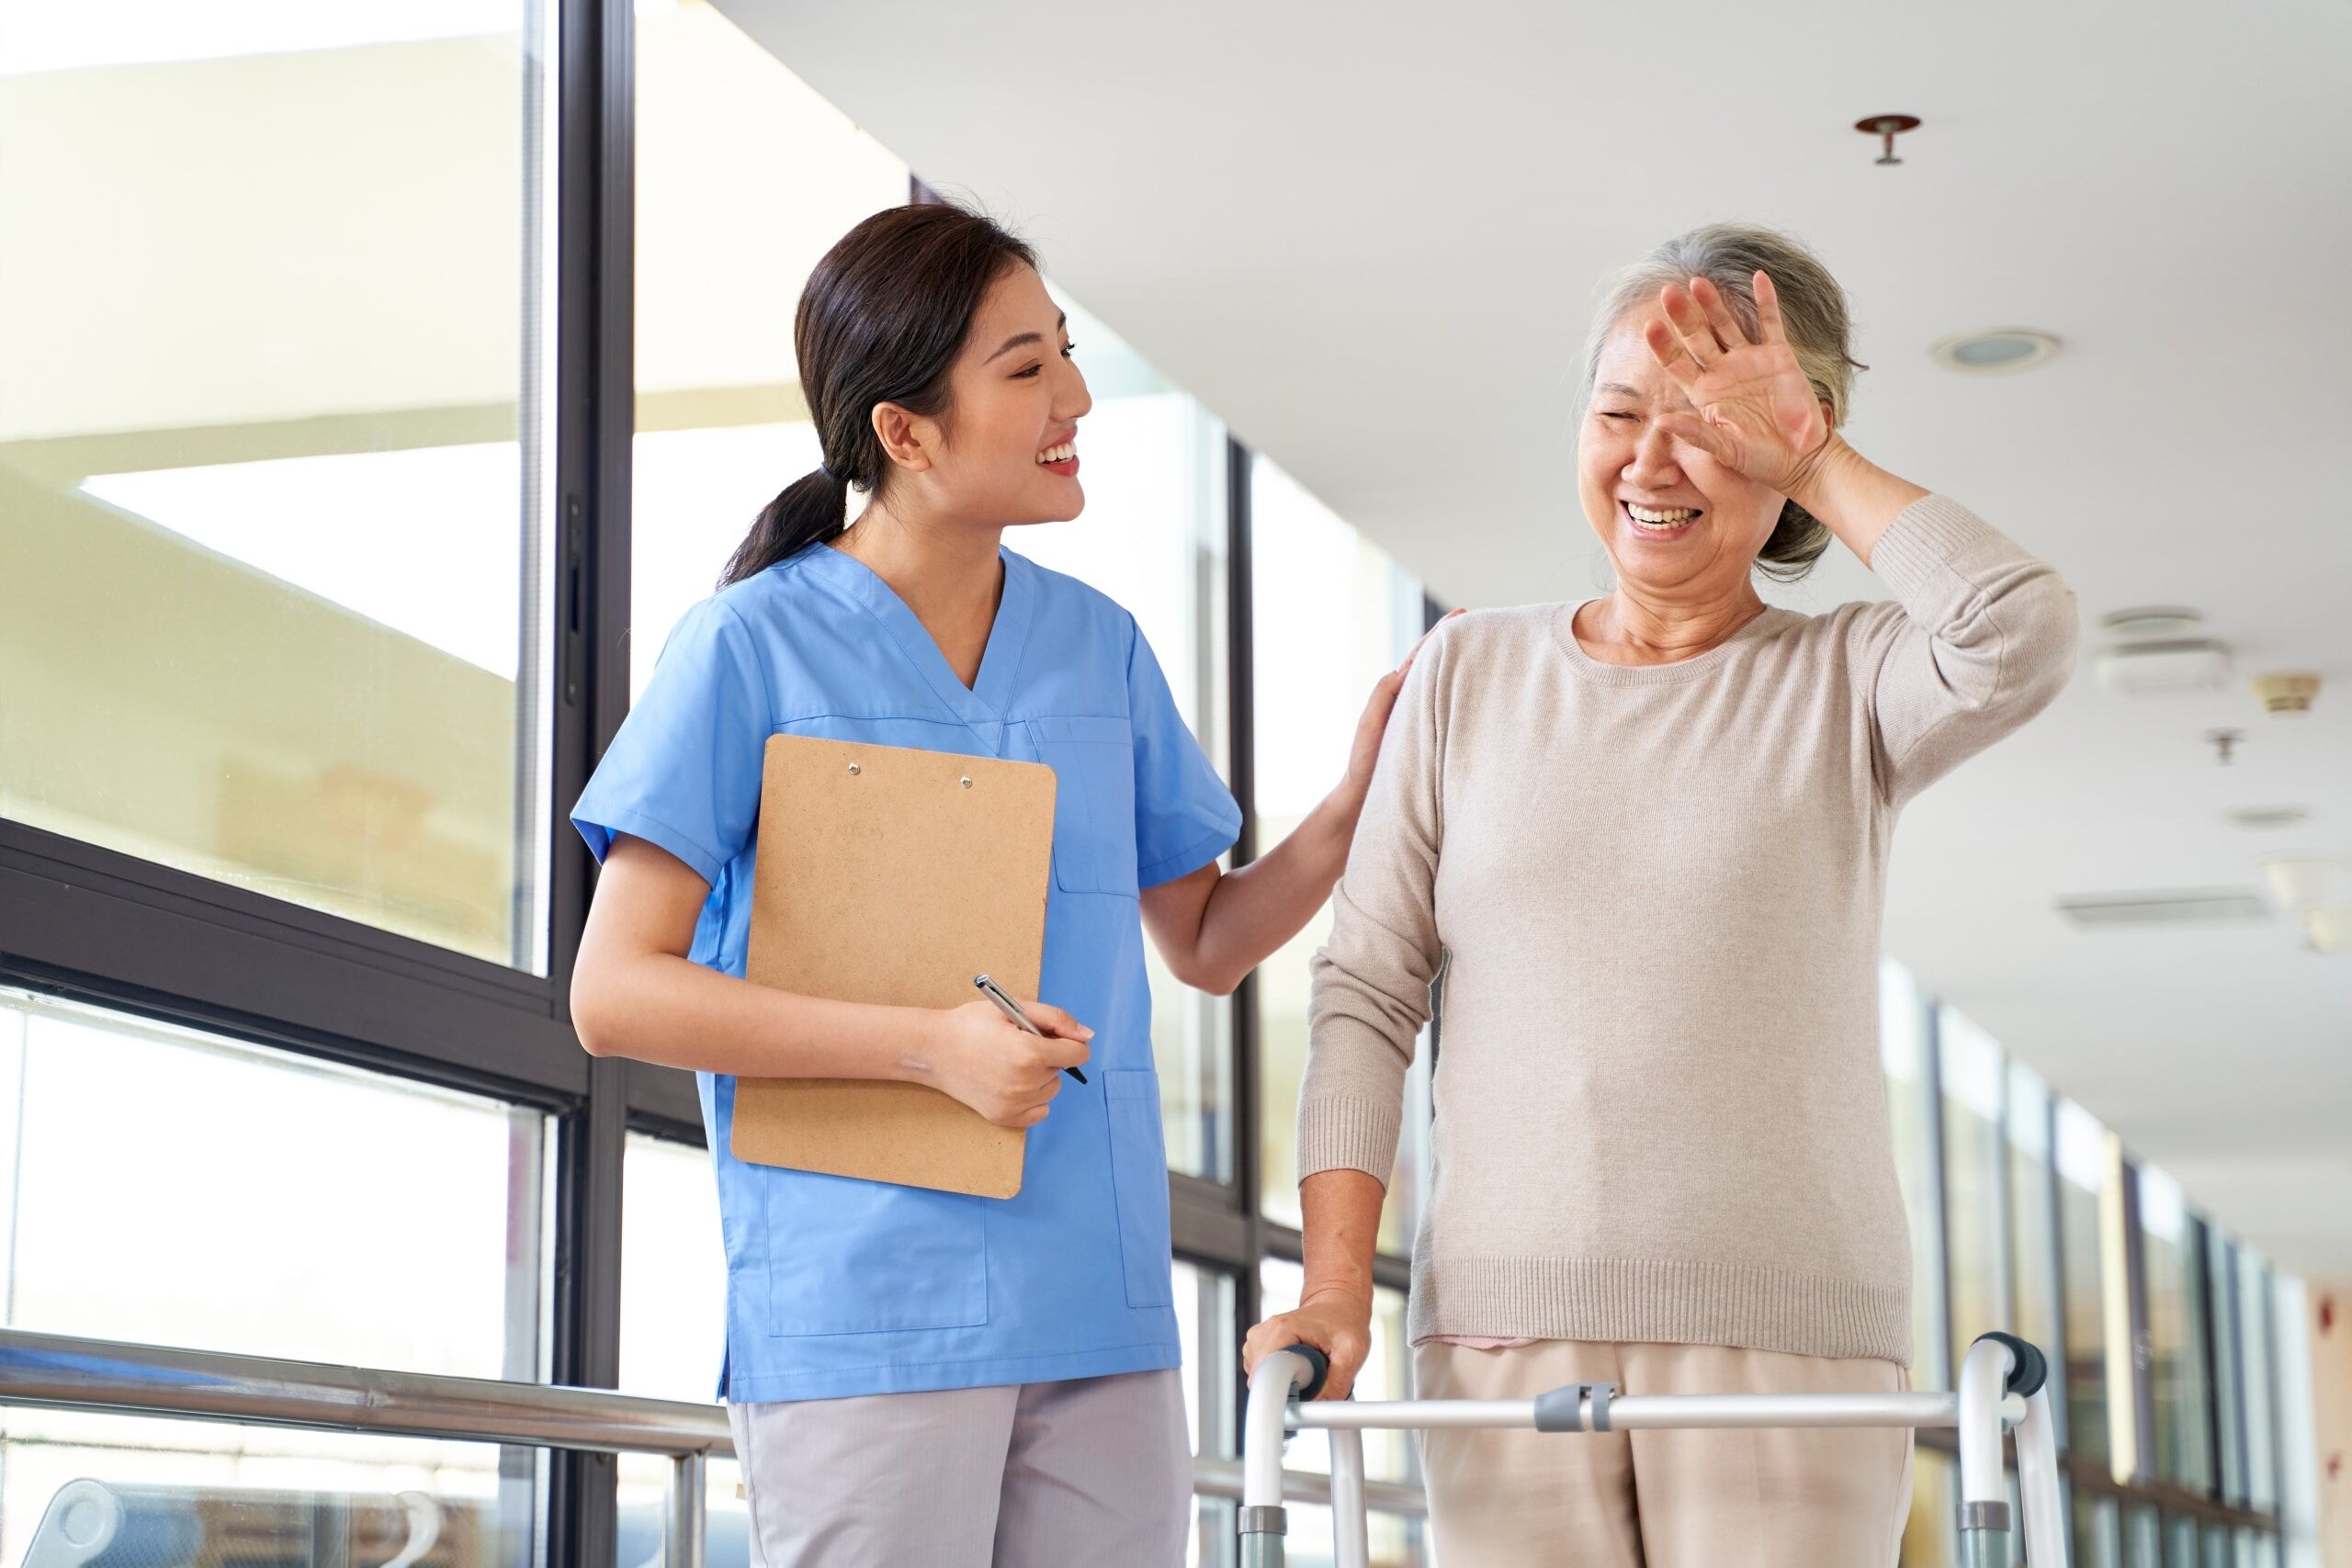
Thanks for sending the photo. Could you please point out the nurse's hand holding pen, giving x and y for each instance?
(998, 1068)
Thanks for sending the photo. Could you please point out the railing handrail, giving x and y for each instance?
(64, 1372)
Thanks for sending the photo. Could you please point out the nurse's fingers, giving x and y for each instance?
(1054, 1020)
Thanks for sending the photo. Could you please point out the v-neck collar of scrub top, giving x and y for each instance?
(982, 705)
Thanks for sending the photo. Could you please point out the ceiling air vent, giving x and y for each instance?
(2135, 911)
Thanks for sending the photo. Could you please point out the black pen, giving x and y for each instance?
(1012, 1010)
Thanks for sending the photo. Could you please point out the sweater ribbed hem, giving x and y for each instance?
(1348, 1134)
(1923, 536)
(1660, 1301)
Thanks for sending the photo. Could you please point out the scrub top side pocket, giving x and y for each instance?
(1139, 1182)
(1094, 802)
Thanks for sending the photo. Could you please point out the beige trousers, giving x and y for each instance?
(1661, 1499)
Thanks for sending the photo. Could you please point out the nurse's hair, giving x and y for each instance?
(881, 321)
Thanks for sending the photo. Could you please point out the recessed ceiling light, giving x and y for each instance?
(1996, 352)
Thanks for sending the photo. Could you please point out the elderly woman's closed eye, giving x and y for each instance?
(1652, 830)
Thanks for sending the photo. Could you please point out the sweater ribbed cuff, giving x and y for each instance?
(1348, 1134)
(1922, 538)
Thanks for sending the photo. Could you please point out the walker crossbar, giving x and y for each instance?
(2001, 1387)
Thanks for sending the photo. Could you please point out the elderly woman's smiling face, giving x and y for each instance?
(1675, 522)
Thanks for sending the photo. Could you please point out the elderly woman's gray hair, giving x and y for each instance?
(1813, 309)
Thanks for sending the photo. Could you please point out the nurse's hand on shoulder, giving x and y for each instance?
(998, 1068)
(1365, 751)
(1335, 1321)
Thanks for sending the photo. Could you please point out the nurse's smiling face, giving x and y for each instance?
(1006, 451)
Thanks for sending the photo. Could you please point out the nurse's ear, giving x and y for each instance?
(909, 440)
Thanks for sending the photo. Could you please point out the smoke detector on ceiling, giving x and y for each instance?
(2166, 667)
(2286, 694)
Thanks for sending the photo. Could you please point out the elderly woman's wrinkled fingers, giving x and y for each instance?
(1667, 348)
(1720, 321)
(1768, 310)
(1692, 327)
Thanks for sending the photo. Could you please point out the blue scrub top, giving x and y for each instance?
(835, 1286)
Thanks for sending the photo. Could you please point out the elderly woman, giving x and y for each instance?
(1652, 830)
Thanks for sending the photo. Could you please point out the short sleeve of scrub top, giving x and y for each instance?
(837, 1287)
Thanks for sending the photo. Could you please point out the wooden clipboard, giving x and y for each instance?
(892, 875)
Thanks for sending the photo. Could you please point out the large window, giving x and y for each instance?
(2183, 1394)
(1152, 537)
(161, 1185)
(1975, 1173)
(1906, 1056)
(2083, 1161)
(273, 434)
(1331, 615)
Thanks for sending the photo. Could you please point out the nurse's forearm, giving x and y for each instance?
(665, 1010)
(1253, 911)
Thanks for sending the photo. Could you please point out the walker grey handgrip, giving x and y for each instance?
(2028, 1369)
(1318, 1363)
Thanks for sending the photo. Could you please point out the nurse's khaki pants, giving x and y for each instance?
(1772, 1499)
(1033, 1476)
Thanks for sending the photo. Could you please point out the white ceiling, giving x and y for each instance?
(1368, 236)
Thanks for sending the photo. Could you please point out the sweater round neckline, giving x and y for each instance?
(1773, 619)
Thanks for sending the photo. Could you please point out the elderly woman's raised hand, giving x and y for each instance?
(1757, 414)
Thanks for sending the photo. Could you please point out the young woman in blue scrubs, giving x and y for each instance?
(919, 1377)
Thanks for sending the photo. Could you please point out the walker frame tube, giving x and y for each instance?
(2001, 1387)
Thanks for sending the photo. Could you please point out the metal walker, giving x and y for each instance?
(2002, 1388)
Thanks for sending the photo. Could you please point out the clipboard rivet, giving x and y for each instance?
(852, 767)
(968, 784)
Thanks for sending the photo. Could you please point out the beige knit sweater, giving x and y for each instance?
(1659, 1115)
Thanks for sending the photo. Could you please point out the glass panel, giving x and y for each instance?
(1974, 1160)
(277, 1206)
(643, 1500)
(1910, 1104)
(273, 488)
(2099, 1541)
(1928, 1533)
(98, 1488)
(1331, 615)
(1387, 1456)
(674, 1272)
(2033, 1222)
(1152, 537)
(2181, 1543)
(2229, 1360)
(2144, 1538)
(2260, 1365)
(1206, 1325)
(2176, 1257)
(745, 177)
(2082, 1174)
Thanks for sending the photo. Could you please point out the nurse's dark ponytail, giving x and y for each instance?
(881, 321)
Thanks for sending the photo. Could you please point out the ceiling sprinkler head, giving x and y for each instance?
(1886, 128)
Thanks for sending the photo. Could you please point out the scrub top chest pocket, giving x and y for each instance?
(1094, 802)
